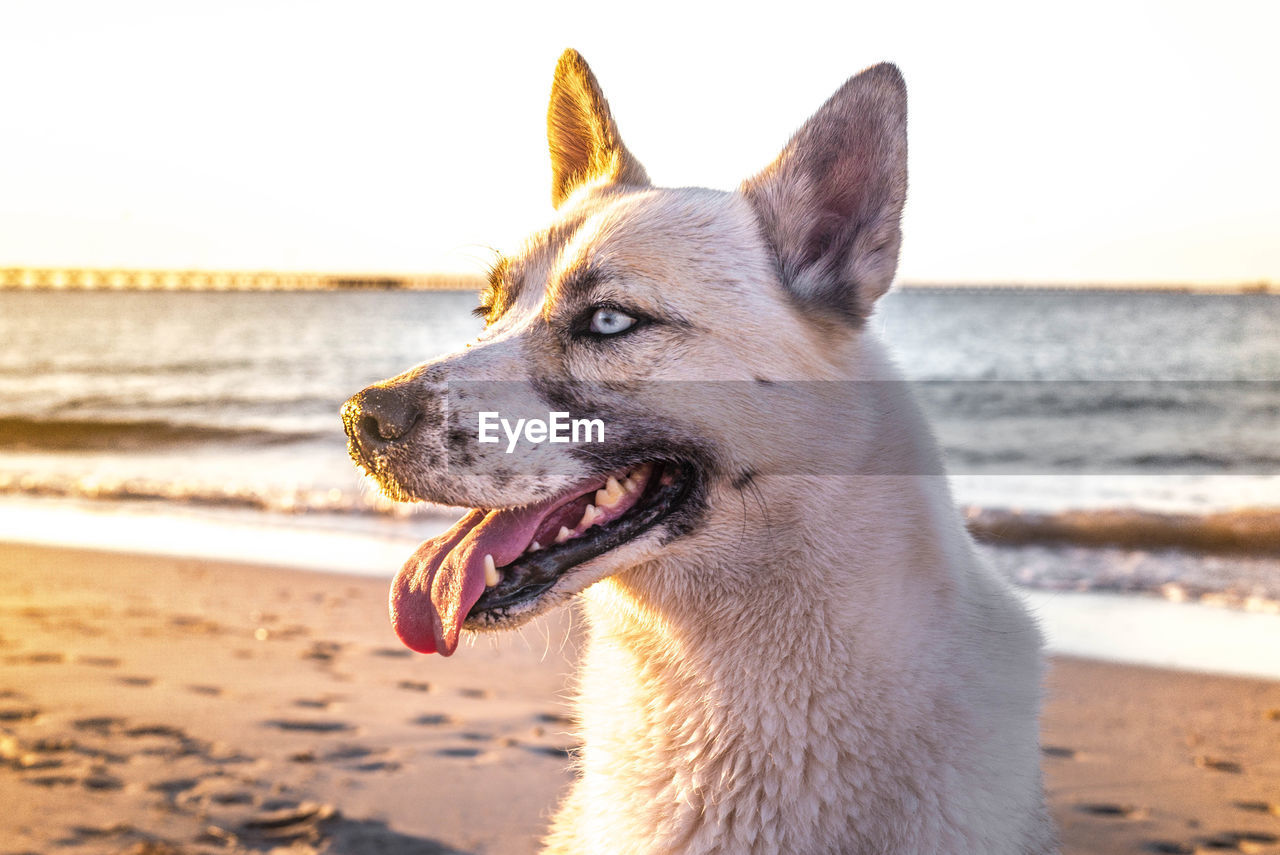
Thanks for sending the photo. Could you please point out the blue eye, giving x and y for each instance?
(608, 321)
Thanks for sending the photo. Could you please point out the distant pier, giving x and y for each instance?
(90, 279)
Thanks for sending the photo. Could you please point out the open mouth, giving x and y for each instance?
(494, 564)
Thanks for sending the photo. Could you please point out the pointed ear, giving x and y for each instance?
(830, 204)
(584, 140)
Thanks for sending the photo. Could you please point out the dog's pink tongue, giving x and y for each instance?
(444, 577)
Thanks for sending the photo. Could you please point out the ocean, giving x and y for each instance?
(1098, 440)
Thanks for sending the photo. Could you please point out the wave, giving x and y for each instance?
(99, 367)
(1252, 531)
(290, 500)
(32, 434)
(1047, 460)
(268, 401)
(1246, 531)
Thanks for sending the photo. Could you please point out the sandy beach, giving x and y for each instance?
(157, 705)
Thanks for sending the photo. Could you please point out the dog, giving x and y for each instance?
(792, 646)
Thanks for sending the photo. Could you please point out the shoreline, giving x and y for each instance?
(1135, 627)
(184, 705)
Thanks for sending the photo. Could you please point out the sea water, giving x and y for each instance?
(207, 423)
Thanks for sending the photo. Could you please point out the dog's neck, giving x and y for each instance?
(816, 562)
(720, 703)
(834, 658)
(728, 667)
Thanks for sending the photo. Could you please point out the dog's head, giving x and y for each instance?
(662, 319)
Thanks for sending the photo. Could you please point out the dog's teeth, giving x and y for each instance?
(564, 535)
(609, 496)
(535, 546)
(588, 518)
(637, 477)
(491, 576)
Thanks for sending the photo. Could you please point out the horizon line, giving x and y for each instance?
(203, 279)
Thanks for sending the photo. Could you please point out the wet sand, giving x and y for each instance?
(155, 705)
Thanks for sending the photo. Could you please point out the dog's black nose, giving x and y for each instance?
(379, 415)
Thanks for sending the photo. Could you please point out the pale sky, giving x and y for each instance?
(1067, 142)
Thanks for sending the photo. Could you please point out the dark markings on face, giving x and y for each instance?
(460, 442)
(458, 439)
(743, 479)
(578, 284)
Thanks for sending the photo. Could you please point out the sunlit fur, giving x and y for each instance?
(822, 665)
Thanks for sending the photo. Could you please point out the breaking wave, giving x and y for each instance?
(1253, 531)
(1245, 531)
(19, 433)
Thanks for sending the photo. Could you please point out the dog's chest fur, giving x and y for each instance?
(881, 709)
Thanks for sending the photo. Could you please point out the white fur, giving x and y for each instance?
(850, 679)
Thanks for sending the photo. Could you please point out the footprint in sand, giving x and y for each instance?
(14, 715)
(103, 782)
(557, 751)
(346, 752)
(115, 829)
(309, 726)
(323, 651)
(1259, 807)
(435, 720)
(1109, 809)
(195, 625)
(392, 652)
(164, 730)
(99, 661)
(101, 725)
(1238, 841)
(137, 682)
(460, 751)
(413, 686)
(234, 797)
(1219, 765)
(208, 691)
(37, 659)
(25, 759)
(1168, 847)
(290, 823)
(299, 825)
(324, 703)
(174, 786)
(554, 718)
(50, 781)
(478, 694)
(1059, 751)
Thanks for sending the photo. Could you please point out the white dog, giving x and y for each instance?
(792, 646)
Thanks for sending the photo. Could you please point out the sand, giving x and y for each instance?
(156, 705)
